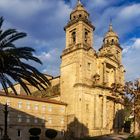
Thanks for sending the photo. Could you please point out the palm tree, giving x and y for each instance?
(13, 63)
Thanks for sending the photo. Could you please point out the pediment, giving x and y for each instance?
(113, 57)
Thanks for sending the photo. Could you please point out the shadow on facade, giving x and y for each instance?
(118, 122)
(19, 124)
(76, 130)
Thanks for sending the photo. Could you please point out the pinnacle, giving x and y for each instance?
(110, 27)
(79, 2)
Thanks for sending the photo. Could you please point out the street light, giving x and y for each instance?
(5, 136)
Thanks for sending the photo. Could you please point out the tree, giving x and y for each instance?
(34, 132)
(128, 104)
(133, 88)
(13, 63)
(51, 133)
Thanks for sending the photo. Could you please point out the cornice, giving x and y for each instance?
(97, 86)
(75, 48)
(77, 20)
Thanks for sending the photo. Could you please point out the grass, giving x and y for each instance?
(98, 137)
(91, 138)
(133, 138)
(130, 138)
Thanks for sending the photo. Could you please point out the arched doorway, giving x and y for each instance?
(1, 132)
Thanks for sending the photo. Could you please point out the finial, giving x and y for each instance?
(79, 2)
(110, 25)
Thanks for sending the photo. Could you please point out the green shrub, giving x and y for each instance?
(35, 131)
(34, 137)
(51, 133)
(133, 138)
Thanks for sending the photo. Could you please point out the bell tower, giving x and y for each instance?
(79, 30)
(76, 56)
(78, 63)
(112, 51)
(111, 43)
(86, 77)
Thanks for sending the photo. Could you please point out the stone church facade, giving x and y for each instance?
(90, 83)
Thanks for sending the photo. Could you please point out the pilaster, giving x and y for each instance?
(104, 111)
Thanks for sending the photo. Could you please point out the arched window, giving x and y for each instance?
(86, 36)
(112, 41)
(19, 133)
(80, 15)
(73, 37)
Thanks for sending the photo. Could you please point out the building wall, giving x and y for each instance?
(25, 114)
(94, 107)
(87, 79)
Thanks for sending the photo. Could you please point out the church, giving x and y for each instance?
(87, 98)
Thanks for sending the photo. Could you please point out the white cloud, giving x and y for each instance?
(131, 58)
(21, 8)
(125, 18)
(51, 61)
(125, 50)
(44, 20)
(47, 56)
(100, 2)
(98, 41)
(137, 43)
(129, 12)
(132, 44)
(64, 10)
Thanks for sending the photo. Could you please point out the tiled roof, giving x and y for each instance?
(28, 97)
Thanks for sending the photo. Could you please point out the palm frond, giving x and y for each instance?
(6, 33)
(1, 21)
(16, 36)
(3, 82)
(12, 65)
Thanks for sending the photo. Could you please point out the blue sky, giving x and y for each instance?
(43, 21)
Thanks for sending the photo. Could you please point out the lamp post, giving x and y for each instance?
(5, 136)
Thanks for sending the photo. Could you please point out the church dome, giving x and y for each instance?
(110, 32)
(79, 7)
(79, 12)
(111, 36)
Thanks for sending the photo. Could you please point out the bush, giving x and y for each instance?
(35, 131)
(51, 133)
(133, 138)
(34, 137)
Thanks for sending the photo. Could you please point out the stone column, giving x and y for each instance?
(116, 116)
(97, 118)
(104, 72)
(78, 128)
(92, 117)
(104, 111)
(115, 75)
